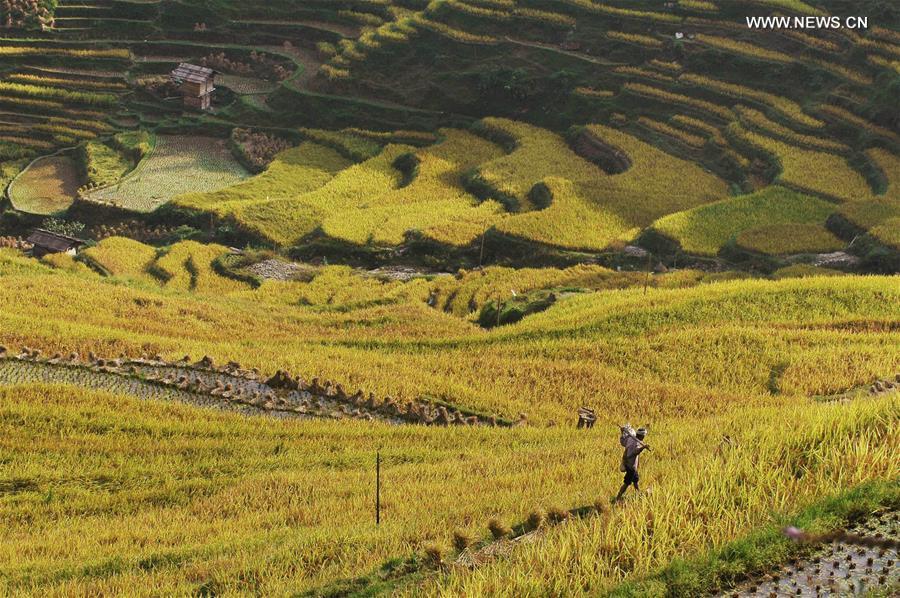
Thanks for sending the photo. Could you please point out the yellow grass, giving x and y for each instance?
(743, 48)
(757, 119)
(790, 5)
(887, 63)
(786, 107)
(624, 340)
(433, 200)
(701, 498)
(889, 164)
(311, 187)
(467, 292)
(571, 221)
(187, 266)
(868, 214)
(293, 172)
(124, 257)
(209, 499)
(634, 38)
(629, 13)
(656, 184)
(538, 153)
(47, 186)
(706, 229)
(700, 5)
(667, 96)
(785, 239)
(107, 485)
(590, 92)
(702, 126)
(635, 71)
(452, 221)
(842, 114)
(67, 263)
(419, 20)
(812, 171)
(888, 232)
(670, 131)
(51, 51)
(591, 209)
(286, 221)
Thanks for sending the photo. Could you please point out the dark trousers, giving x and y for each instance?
(631, 477)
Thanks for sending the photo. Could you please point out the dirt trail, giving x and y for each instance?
(337, 28)
(556, 50)
(307, 61)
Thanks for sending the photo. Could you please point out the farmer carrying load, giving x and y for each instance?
(633, 442)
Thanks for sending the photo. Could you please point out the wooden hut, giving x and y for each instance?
(196, 84)
(44, 242)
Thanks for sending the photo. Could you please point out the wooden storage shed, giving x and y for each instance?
(196, 84)
(44, 242)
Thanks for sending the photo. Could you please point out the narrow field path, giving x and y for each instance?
(570, 54)
(336, 28)
(306, 62)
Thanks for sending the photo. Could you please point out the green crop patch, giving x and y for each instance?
(706, 229)
(789, 238)
(176, 165)
(867, 214)
(888, 232)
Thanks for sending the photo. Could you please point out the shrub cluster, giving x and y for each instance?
(256, 150)
(161, 87)
(132, 229)
(260, 65)
(22, 14)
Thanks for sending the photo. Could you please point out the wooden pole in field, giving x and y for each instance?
(481, 255)
(649, 267)
(378, 488)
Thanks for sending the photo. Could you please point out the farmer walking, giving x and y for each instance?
(634, 446)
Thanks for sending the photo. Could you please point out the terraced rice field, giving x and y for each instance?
(203, 449)
(781, 239)
(47, 186)
(867, 214)
(821, 173)
(246, 85)
(433, 202)
(260, 328)
(771, 398)
(688, 360)
(219, 388)
(313, 185)
(14, 373)
(177, 165)
(293, 172)
(792, 131)
(119, 256)
(707, 229)
(839, 568)
(888, 232)
(186, 266)
(370, 203)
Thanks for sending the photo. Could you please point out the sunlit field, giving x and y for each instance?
(353, 299)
